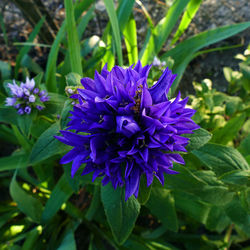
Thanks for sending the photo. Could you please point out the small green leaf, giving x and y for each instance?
(47, 146)
(199, 138)
(25, 202)
(121, 215)
(161, 203)
(236, 177)
(221, 159)
(229, 131)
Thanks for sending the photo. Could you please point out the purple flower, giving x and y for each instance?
(36, 90)
(32, 98)
(123, 129)
(15, 90)
(25, 96)
(27, 110)
(44, 98)
(10, 101)
(42, 93)
(30, 83)
(156, 62)
(20, 111)
(39, 107)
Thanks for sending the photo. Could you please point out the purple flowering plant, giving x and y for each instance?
(121, 129)
(26, 97)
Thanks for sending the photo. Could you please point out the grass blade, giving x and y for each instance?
(115, 28)
(29, 205)
(50, 75)
(84, 22)
(162, 30)
(60, 194)
(25, 49)
(73, 41)
(123, 13)
(130, 38)
(189, 14)
(185, 51)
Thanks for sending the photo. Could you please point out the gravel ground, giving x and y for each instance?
(212, 14)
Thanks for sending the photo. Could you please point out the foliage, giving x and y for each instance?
(205, 206)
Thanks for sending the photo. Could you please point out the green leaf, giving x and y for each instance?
(68, 243)
(5, 70)
(73, 41)
(60, 194)
(229, 131)
(121, 215)
(199, 138)
(189, 14)
(216, 195)
(109, 4)
(25, 202)
(192, 206)
(244, 147)
(65, 114)
(14, 162)
(47, 146)
(130, 38)
(221, 159)
(144, 190)
(217, 219)
(30, 64)
(236, 177)
(31, 239)
(25, 123)
(38, 79)
(95, 203)
(238, 215)
(161, 203)
(25, 50)
(8, 115)
(184, 52)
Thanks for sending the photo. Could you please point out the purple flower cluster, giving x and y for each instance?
(123, 129)
(26, 96)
